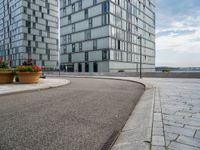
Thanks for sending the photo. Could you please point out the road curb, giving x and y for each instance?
(36, 89)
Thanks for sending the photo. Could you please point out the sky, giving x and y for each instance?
(178, 33)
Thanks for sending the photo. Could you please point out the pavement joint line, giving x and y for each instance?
(162, 115)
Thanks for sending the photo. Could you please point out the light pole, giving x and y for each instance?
(140, 38)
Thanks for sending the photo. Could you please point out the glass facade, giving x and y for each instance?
(108, 32)
(29, 29)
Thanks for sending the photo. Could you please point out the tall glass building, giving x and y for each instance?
(104, 35)
(29, 29)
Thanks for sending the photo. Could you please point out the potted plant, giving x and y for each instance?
(28, 74)
(6, 73)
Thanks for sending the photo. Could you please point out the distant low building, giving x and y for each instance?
(29, 29)
(103, 36)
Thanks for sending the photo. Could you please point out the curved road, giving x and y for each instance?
(79, 116)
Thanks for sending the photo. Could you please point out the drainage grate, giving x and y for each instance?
(111, 140)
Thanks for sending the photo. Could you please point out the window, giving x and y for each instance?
(88, 35)
(104, 55)
(79, 5)
(104, 19)
(70, 57)
(118, 44)
(86, 13)
(73, 48)
(64, 11)
(95, 67)
(80, 46)
(69, 38)
(90, 23)
(40, 32)
(34, 25)
(29, 30)
(86, 56)
(33, 12)
(94, 44)
(25, 36)
(34, 38)
(94, 2)
(29, 5)
(40, 8)
(86, 67)
(118, 2)
(73, 28)
(79, 67)
(47, 28)
(28, 24)
(25, 11)
(105, 7)
(69, 19)
(34, 50)
(73, 8)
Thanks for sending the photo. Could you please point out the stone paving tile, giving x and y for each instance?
(158, 124)
(189, 141)
(157, 148)
(171, 136)
(178, 130)
(157, 116)
(177, 107)
(179, 146)
(158, 131)
(197, 135)
(158, 141)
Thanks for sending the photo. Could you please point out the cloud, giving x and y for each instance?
(178, 31)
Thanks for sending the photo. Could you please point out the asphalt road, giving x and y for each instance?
(79, 116)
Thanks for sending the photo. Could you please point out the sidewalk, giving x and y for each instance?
(43, 84)
(176, 124)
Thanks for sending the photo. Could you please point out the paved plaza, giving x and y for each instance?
(176, 123)
(176, 114)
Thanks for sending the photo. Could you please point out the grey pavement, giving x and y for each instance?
(80, 116)
(176, 114)
(43, 84)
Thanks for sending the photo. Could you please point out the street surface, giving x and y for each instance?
(79, 116)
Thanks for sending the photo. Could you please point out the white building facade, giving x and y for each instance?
(29, 29)
(103, 35)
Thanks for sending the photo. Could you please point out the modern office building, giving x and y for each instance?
(29, 29)
(104, 35)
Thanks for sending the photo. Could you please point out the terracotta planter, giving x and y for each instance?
(6, 77)
(29, 77)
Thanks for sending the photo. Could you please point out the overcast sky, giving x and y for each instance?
(178, 33)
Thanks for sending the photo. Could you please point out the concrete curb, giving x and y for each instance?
(137, 132)
(17, 91)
